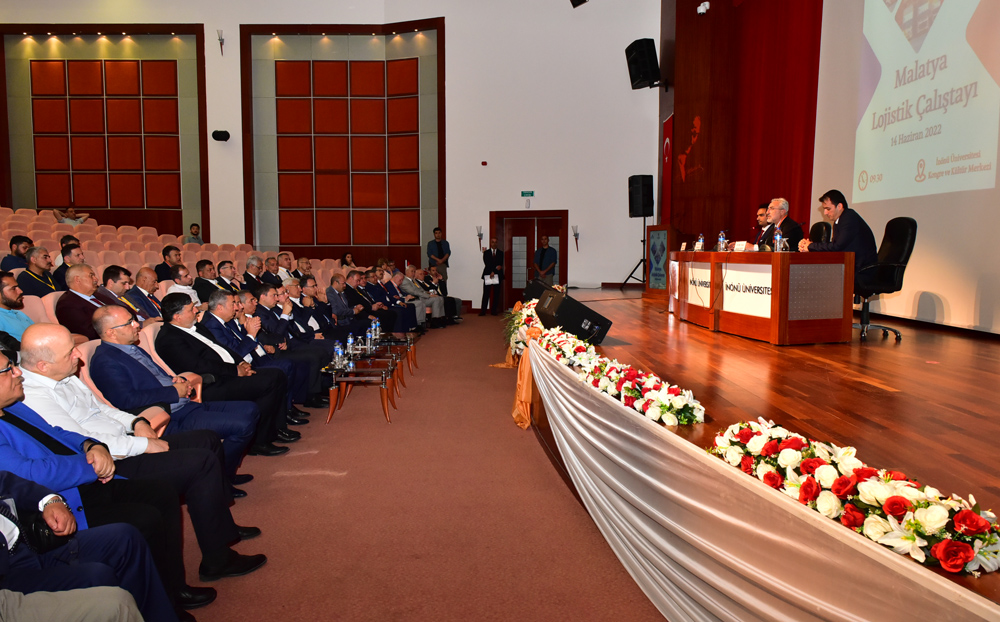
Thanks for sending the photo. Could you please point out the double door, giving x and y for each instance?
(519, 234)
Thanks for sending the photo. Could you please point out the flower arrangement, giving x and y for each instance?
(643, 392)
(884, 505)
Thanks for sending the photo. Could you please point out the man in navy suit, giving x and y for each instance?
(110, 555)
(251, 278)
(128, 377)
(278, 317)
(228, 277)
(311, 313)
(142, 295)
(851, 234)
(406, 317)
(342, 311)
(492, 267)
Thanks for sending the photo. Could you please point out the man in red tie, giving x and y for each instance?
(142, 294)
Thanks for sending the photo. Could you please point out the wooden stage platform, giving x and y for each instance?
(926, 406)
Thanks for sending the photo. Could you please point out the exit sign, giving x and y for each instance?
(527, 193)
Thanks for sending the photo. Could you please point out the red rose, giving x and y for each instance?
(597, 382)
(897, 506)
(645, 405)
(774, 479)
(792, 442)
(528, 321)
(896, 475)
(619, 384)
(865, 473)
(629, 401)
(674, 391)
(953, 555)
(770, 448)
(809, 490)
(656, 387)
(558, 356)
(809, 465)
(580, 349)
(630, 374)
(844, 486)
(969, 523)
(852, 517)
(746, 464)
(745, 435)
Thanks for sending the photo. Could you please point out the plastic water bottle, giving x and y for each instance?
(780, 243)
(350, 343)
(338, 355)
(701, 240)
(368, 338)
(722, 240)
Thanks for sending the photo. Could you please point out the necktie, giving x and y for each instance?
(153, 300)
(9, 514)
(95, 301)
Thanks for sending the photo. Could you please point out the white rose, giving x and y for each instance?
(789, 458)
(603, 383)
(848, 464)
(734, 455)
(653, 413)
(873, 492)
(875, 527)
(678, 402)
(733, 430)
(829, 505)
(826, 475)
(756, 444)
(911, 493)
(699, 413)
(720, 441)
(650, 382)
(779, 432)
(638, 404)
(669, 418)
(764, 468)
(932, 518)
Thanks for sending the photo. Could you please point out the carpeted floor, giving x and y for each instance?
(451, 512)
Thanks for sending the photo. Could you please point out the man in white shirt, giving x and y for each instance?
(284, 266)
(184, 284)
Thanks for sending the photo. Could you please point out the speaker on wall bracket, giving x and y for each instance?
(643, 65)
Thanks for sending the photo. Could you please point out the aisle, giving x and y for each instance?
(451, 512)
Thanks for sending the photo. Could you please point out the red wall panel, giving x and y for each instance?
(330, 78)
(369, 226)
(333, 227)
(121, 77)
(368, 116)
(124, 153)
(367, 78)
(48, 77)
(296, 227)
(90, 190)
(331, 153)
(51, 153)
(126, 190)
(404, 115)
(368, 191)
(404, 153)
(295, 190)
(368, 153)
(86, 77)
(331, 116)
(333, 190)
(86, 116)
(294, 153)
(159, 77)
(163, 153)
(124, 116)
(88, 153)
(163, 190)
(401, 76)
(159, 116)
(294, 116)
(52, 190)
(404, 190)
(291, 78)
(49, 116)
(404, 227)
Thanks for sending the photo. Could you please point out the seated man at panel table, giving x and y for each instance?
(777, 218)
(184, 284)
(142, 294)
(13, 321)
(130, 379)
(851, 234)
(72, 255)
(117, 283)
(251, 278)
(228, 277)
(112, 555)
(185, 345)
(207, 281)
(75, 308)
(760, 229)
(171, 258)
(410, 287)
(19, 245)
(237, 332)
(36, 280)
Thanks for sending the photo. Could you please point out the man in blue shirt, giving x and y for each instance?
(13, 321)
(19, 245)
(438, 252)
(545, 261)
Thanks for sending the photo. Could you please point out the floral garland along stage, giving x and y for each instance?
(883, 505)
(643, 392)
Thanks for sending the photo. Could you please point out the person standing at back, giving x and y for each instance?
(545, 262)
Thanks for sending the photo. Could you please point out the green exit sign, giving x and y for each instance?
(527, 193)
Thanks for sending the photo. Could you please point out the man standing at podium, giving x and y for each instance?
(851, 234)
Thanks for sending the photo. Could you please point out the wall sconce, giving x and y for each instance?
(479, 234)
(222, 41)
(576, 237)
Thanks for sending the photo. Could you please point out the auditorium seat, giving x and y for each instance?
(128, 230)
(210, 247)
(191, 247)
(148, 231)
(239, 258)
(92, 257)
(248, 248)
(62, 228)
(161, 289)
(131, 260)
(167, 240)
(189, 258)
(107, 229)
(115, 246)
(50, 245)
(86, 353)
(6, 212)
(49, 304)
(138, 247)
(16, 271)
(885, 276)
(34, 309)
(92, 245)
(109, 256)
(151, 258)
(103, 236)
(84, 236)
(126, 238)
(202, 255)
(229, 248)
(145, 238)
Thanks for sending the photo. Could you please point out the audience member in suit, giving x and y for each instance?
(171, 258)
(142, 294)
(75, 308)
(851, 234)
(225, 310)
(82, 471)
(270, 273)
(492, 267)
(130, 379)
(65, 241)
(760, 229)
(207, 281)
(251, 278)
(304, 267)
(406, 317)
(777, 216)
(310, 313)
(341, 311)
(410, 287)
(190, 461)
(400, 299)
(19, 245)
(112, 555)
(228, 277)
(36, 279)
(356, 295)
(433, 282)
(185, 345)
(72, 255)
(117, 283)
(13, 321)
(277, 317)
(284, 266)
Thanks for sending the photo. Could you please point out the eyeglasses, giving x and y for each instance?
(128, 323)
(9, 367)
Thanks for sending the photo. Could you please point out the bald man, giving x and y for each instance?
(75, 308)
(142, 295)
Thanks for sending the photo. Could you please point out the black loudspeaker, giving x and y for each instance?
(535, 289)
(643, 66)
(577, 3)
(558, 309)
(220, 135)
(640, 196)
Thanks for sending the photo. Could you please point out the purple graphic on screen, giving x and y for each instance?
(871, 72)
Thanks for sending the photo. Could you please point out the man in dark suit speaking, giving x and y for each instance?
(851, 234)
(492, 268)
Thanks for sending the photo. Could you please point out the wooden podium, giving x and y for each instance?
(782, 298)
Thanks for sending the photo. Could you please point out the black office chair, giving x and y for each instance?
(820, 232)
(886, 275)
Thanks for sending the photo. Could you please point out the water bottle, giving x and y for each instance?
(701, 241)
(350, 344)
(338, 355)
(368, 338)
(722, 240)
(780, 243)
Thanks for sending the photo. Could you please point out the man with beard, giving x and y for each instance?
(36, 279)
(19, 245)
(72, 255)
(171, 258)
(13, 321)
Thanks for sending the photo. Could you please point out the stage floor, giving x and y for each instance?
(926, 406)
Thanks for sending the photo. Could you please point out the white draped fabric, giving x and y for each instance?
(705, 541)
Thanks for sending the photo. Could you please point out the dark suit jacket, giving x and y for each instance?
(233, 287)
(26, 495)
(75, 313)
(204, 287)
(162, 271)
(250, 281)
(136, 297)
(851, 234)
(182, 352)
(224, 335)
(493, 263)
(270, 321)
(125, 382)
(273, 279)
(790, 230)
